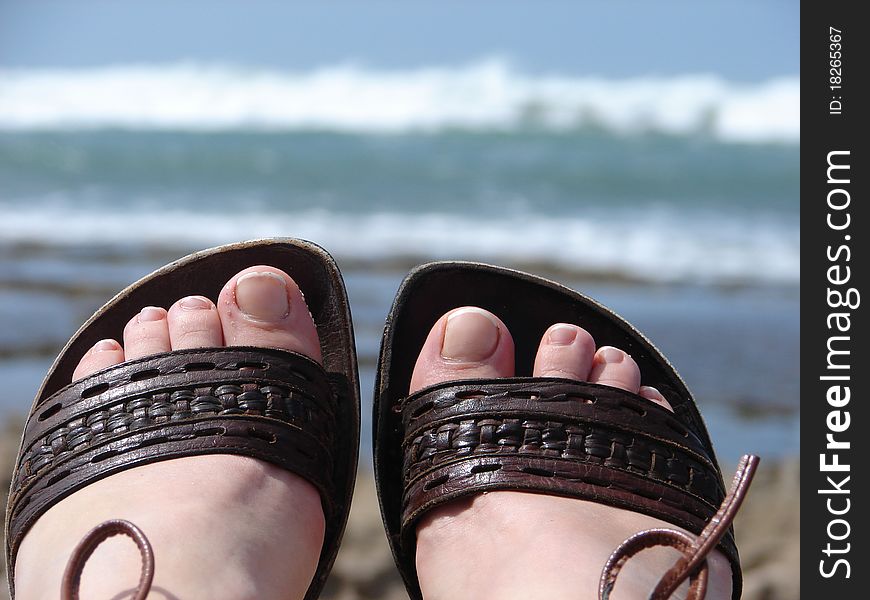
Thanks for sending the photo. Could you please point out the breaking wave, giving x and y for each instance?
(488, 95)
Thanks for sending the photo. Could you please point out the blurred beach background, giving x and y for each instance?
(644, 154)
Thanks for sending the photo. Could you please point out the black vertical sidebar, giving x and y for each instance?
(834, 335)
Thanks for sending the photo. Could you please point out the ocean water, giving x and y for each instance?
(675, 201)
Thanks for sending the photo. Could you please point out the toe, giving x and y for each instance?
(565, 351)
(651, 393)
(611, 366)
(147, 333)
(262, 306)
(465, 343)
(104, 353)
(194, 323)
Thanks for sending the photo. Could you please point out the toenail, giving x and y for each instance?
(471, 335)
(262, 295)
(151, 313)
(195, 303)
(562, 335)
(611, 355)
(646, 391)
(106, 345)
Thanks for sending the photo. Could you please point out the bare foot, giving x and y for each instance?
(221, 526)
(523, 545)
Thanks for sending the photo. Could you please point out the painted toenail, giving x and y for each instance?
(262, 295)
(611, 355)
(106, 345)
(151, 313)
(562, 335)
(471, 335)
(195, 303)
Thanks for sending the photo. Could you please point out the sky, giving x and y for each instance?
(741, 40)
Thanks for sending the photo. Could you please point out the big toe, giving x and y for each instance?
(465, 343)
(262, 306)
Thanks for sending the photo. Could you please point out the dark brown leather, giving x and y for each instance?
(557, 436)
(273, 405)
(72, 575)
(693, 564)
(545, 435)
(267, 404)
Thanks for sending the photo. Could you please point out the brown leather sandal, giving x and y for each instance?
(269, 404)
(547, 435)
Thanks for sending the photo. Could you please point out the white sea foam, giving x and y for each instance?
(643, 244)
(485, 95)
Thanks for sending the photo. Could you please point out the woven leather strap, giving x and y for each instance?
(268, 404)
(693, 564)
(559, 437)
